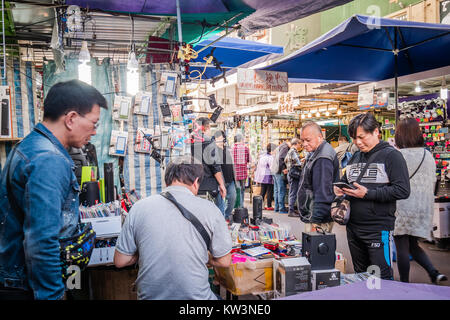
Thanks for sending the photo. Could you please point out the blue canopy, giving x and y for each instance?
(362, 49)
(234, 52)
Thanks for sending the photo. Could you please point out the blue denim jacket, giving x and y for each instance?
(45, 187)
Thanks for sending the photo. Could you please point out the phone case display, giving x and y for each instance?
(255, 137)
(177, 138)
(142, 103)
(168, 83)
(118, 144)
(121, 108)
(429, 110)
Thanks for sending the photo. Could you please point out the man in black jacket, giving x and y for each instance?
(204, 150)
(320, 170)
(373, 201)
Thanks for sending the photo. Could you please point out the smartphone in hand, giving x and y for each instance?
(343, 185)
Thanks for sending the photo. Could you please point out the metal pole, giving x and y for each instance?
(180, 35)
(396, 51)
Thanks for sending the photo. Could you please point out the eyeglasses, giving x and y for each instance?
(96, 124)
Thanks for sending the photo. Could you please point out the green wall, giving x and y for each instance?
(333, 17)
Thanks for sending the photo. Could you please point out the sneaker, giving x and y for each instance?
(293, 214)
(439, 277)
(269, 208)
(283, 211)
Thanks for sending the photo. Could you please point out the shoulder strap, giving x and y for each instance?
(369, 161)
(423, 157)
(189, 216)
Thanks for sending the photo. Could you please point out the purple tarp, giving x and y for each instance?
(268, 14)
(389, 290)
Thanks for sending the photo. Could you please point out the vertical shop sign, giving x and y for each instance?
(285, 103)
(262, 80)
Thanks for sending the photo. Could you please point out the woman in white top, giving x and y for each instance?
(414, 215)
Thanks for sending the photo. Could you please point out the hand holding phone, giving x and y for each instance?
(342, 185)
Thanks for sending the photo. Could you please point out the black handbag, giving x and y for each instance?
(295, 173)
(74, 250)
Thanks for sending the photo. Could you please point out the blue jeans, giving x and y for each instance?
(279, 192)
(226, 207)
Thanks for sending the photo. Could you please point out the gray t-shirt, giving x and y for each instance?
(172, 254)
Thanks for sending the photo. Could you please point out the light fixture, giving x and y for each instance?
(418, 88)
(317, 114)
(132, 74)
(339, 112)
(84, 69)
(327, 113)
(303, 116)
(310, 115)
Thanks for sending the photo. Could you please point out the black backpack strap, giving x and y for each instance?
(423, 157)
(189, 216)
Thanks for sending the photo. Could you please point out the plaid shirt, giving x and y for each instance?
(241, 157)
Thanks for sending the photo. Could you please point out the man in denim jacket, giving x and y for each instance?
(44, 192)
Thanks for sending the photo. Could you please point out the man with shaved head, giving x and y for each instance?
(320, 170)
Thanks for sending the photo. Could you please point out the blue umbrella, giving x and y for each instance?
(232, 53)
(365, 48)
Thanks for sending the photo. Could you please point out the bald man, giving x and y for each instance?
(320, 170)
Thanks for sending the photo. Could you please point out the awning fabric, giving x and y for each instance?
(362, 49)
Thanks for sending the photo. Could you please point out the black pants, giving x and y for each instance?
(406, 245)
(267, 188)
(370, 248)
(14, 294)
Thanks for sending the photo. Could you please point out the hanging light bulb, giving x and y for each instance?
(418, 88)
(309, 114)
(84, 69)
(327, 113)
(317, 114)
(132, 74)
(303, 116)
(444, 90)
(339, 112)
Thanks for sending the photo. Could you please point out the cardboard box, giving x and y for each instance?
(249, 277)
(291, 276)
(321, 279)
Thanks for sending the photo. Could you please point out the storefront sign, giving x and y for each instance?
(261, 80)
(285, 104)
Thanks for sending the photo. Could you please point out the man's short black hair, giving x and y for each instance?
(203, 121)
(185, 170)
(366, 121)
(73, 95)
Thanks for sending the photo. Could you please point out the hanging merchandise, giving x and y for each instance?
(5, 114)
(429, 110)
(142, 103)
(168, 83)
(121, 108)
(74, 21)
(142, 144)
(118, 145)
(177, 116)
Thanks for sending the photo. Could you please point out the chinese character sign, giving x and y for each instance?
(261, 80)
(285, 104)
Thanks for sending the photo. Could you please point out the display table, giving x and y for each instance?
(389, 290)
(111, 283)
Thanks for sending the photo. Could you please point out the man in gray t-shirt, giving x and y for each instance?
(172, 254)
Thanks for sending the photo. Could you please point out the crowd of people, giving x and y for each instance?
(389, 190)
